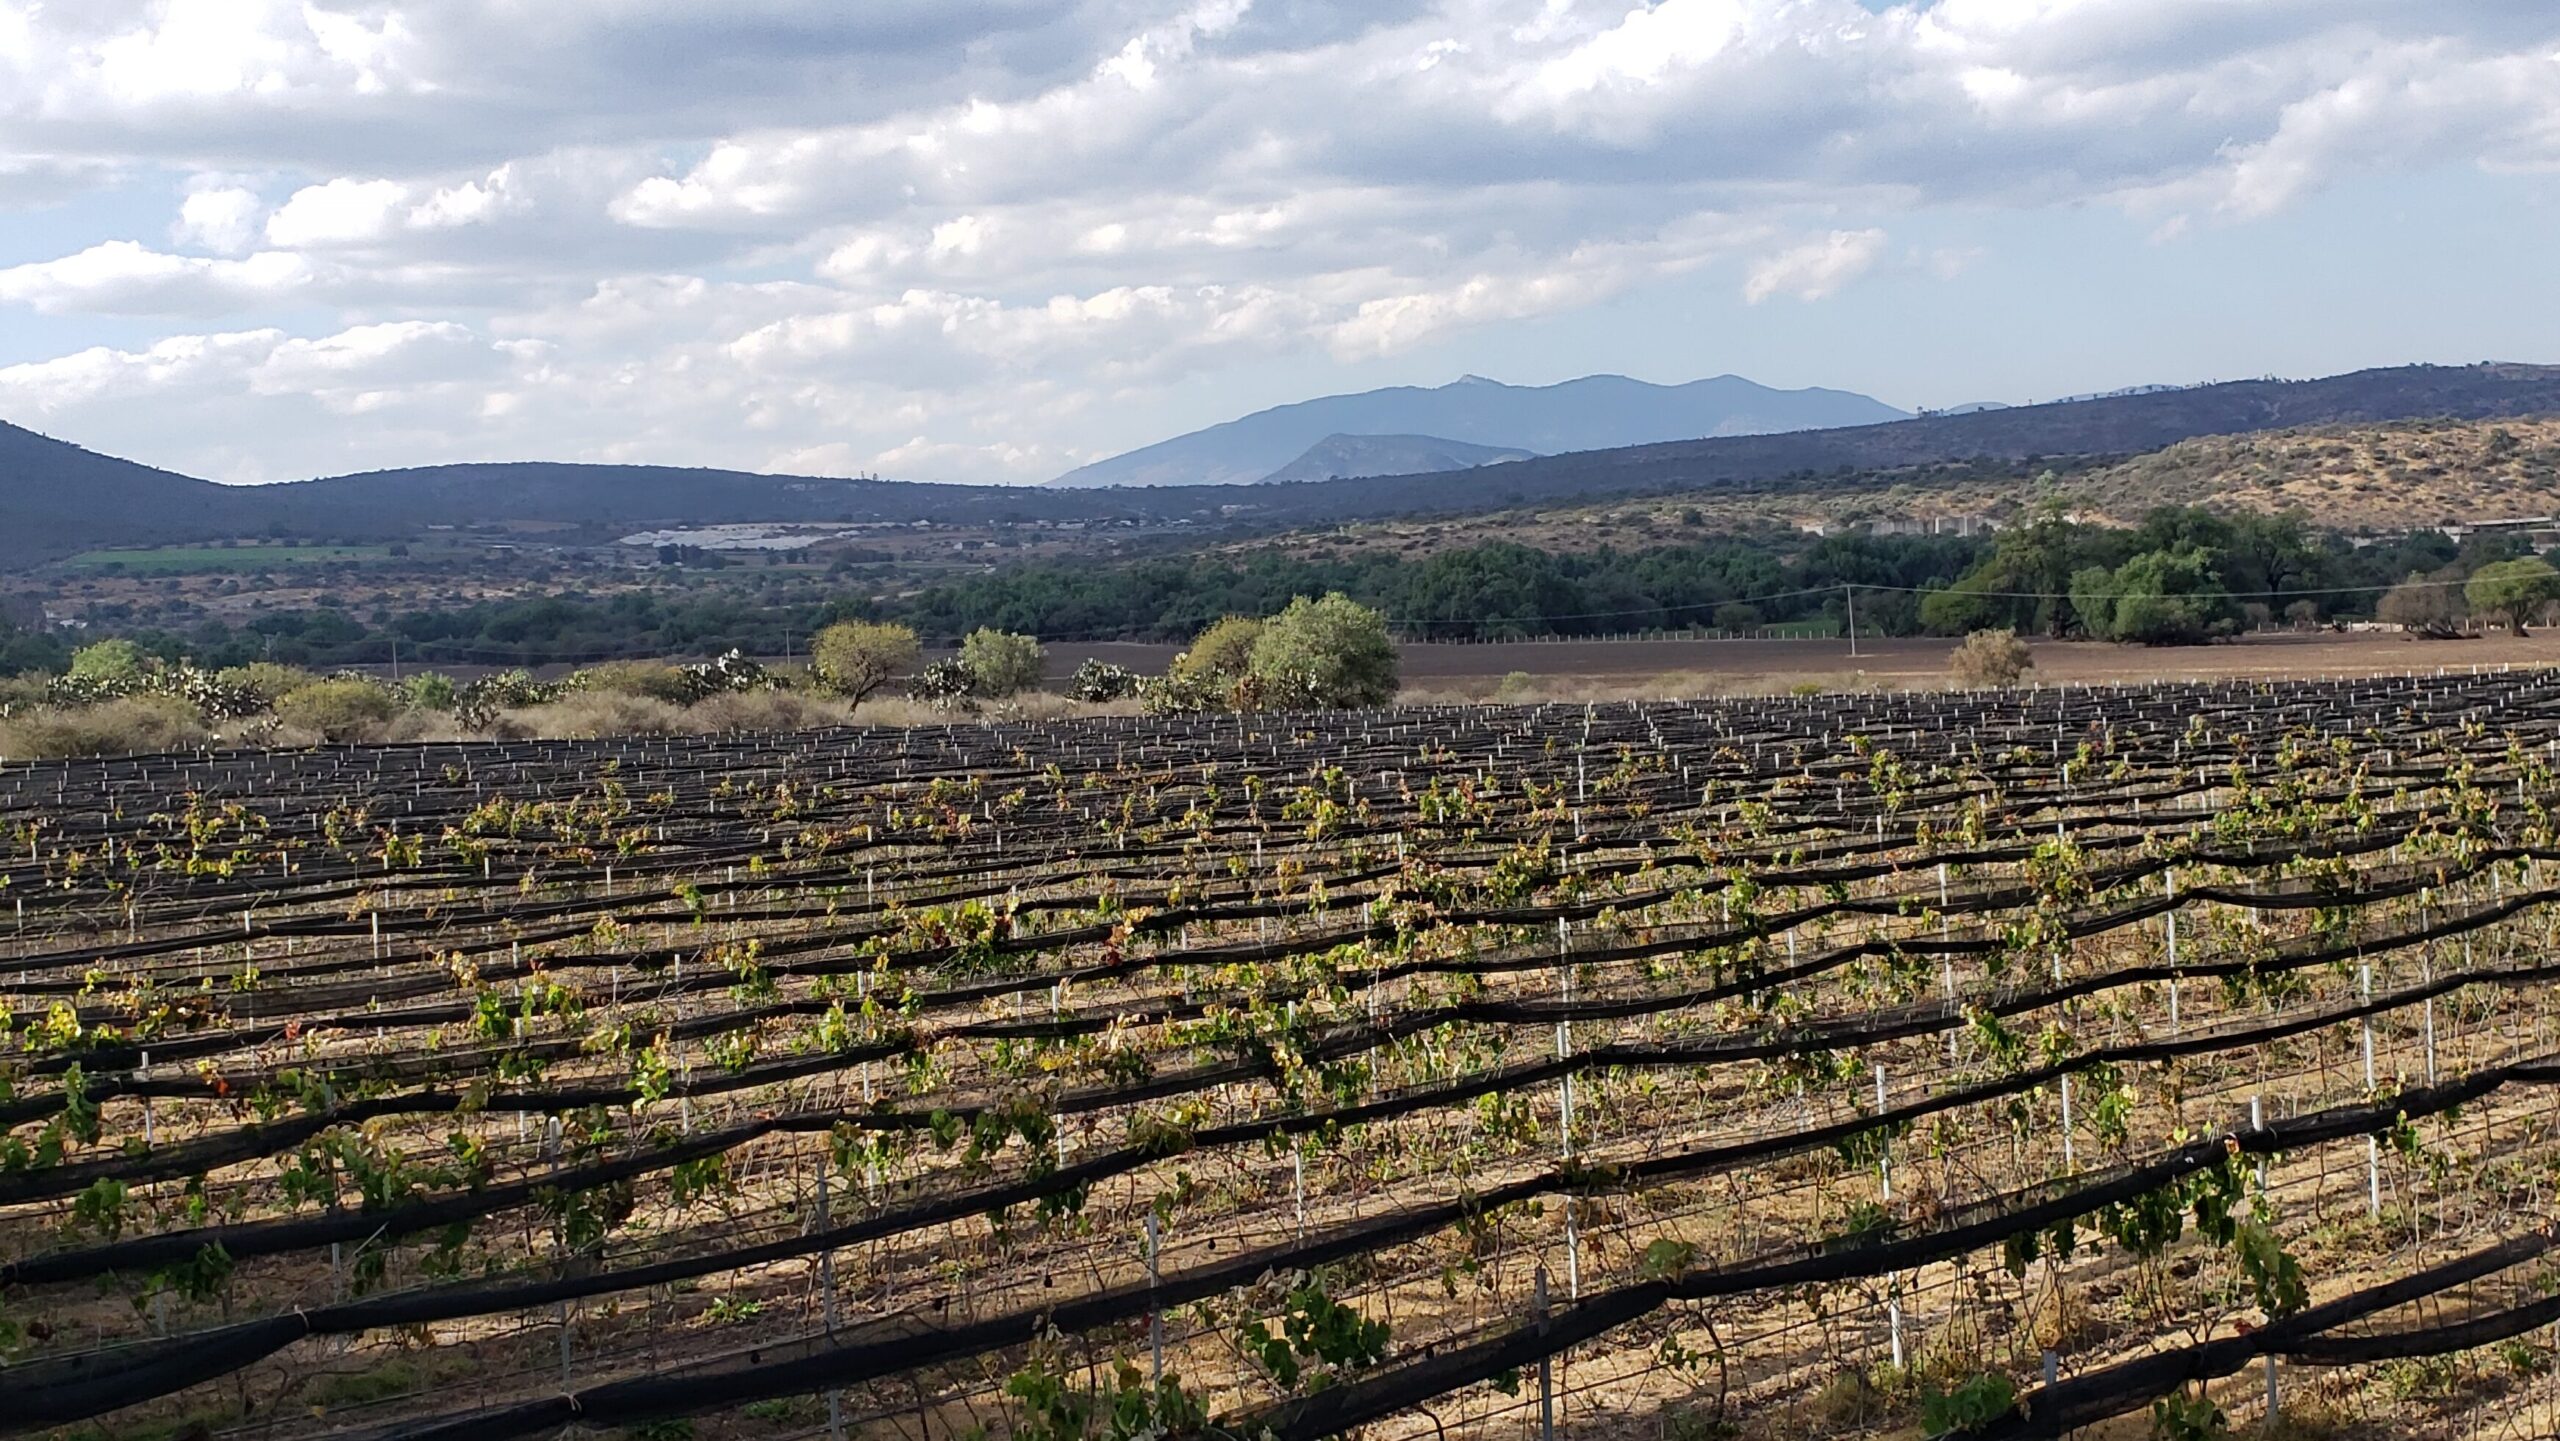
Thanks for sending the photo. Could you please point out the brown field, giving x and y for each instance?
(1570, 669)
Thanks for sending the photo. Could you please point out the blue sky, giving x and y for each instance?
(259, 240)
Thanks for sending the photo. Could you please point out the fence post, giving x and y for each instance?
(827, 1297)
(1546, 1363)
(1884, 1152)
(1155, 1317)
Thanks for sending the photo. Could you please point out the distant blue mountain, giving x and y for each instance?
(1596, 412)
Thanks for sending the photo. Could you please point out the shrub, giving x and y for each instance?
(429, 690)
(1097, 682)
(855, 658)
(647, 679)
(134, 725)
(732, 674)
(1326, 654)
(1001, 663)
(946, 685)
(1989, 659)
(268, 680)
(1175, 693)
(479, 704)
(764, 710)
(1737, 615)
(589, 715)
(338, 710)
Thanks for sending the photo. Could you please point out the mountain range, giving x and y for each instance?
(1596, 412)
(57, 499)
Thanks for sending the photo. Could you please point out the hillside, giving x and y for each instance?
(2401, 476)
(2357, 479)
(618, 497)
(53, 493)
(1351, 456)
(1596, 412)
(58, 499)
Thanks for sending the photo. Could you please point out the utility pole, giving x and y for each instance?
(1851, 592)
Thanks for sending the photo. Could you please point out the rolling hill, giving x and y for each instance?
(1596, 412)
(57, 499)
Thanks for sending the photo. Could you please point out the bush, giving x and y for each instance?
(647, 679)
(429, 690)
(1326, 654)
(945, 685)
(340, 710)
(765, 710)
(135, 725)
(854, 658)
(592, 714)
(267, 680)
(1001, 663)
(1096, 682)
(1175, 693)
(479, 704)
(1737, 615)
(732, 674)
(1989, 659)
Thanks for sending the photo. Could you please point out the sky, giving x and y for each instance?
(991, 240)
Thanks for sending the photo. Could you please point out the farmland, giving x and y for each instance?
(1840, 1064)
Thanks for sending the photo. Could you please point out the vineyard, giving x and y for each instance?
(1946, 1064)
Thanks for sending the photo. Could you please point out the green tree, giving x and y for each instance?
(2514, 590)
(1222, 654)
(1326, 653)
(854, 658)
(1001, 663)
(109, 662)
(2169, 597)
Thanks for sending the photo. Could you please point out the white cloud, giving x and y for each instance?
(120, 277)
(220, 218)
(991, 235)
(1815, 269)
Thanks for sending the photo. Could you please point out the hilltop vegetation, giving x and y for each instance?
(2399, 476)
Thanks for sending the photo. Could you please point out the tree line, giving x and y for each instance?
(2184, 574)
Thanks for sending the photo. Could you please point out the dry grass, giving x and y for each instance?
(119, 727)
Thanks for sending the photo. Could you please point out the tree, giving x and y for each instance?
(1001, 663)
(1326, 653)
(2421, 605)
(854, 658)
(2514, 590)
(2172, 597)
(1221, 655)
(1989, 659)
(109, 662)
(2160, 597)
